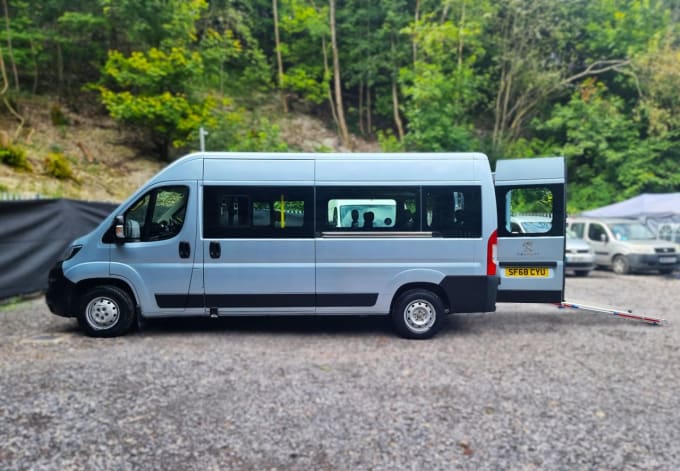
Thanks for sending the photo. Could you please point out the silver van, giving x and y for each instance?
(220, 234)
(625, 245)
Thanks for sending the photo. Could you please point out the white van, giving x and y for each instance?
(220, 234)
(625, 245)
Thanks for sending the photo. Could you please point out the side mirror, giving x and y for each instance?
(604, 238)
(120, 228)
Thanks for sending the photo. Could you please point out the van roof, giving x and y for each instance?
(339, 155)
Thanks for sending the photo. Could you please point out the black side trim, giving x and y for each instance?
(182, 301)
(518, 296)
(259, 300)
(346, 300)
(527, 264)
(471, 293)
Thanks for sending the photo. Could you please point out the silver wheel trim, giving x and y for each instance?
(619, 265)
(420, 316)
(102, 313)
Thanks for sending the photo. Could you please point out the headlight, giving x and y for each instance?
(72, 251)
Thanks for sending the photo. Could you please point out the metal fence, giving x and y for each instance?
(6, 196)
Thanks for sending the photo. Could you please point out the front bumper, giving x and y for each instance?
(580, 266)
(59, 295)
(579, 261)
(653, 262)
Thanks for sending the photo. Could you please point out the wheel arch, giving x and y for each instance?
(84, 285)
(436, 289)
(617, 254)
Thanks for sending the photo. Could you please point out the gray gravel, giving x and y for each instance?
(527, 387)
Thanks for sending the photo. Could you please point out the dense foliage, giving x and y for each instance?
(593, 80)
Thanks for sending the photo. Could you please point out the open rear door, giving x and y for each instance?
(530, 194)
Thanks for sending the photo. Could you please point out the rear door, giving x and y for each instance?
(531, 261)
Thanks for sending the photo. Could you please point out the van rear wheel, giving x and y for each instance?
(106, 311)
(418, 314)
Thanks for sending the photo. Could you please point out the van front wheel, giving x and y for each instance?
(620, 265)
(106, 311)
(418, 314)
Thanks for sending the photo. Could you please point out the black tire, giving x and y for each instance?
(418, 314)
(106, 311)
(621, 265)
(582, 272)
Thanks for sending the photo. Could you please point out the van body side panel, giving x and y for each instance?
(360, 267)
(367, 171)
(363, 267)
(251, 275)
(279, 171)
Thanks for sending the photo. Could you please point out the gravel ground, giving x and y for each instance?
(527, 387)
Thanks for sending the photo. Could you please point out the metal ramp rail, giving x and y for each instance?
(604, 310)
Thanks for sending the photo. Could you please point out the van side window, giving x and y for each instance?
(257, 212)
(233, 211)
(351, 208)
(158, 215)
(453, 211)
(532, 210)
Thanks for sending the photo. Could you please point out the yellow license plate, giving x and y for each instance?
(527, 272)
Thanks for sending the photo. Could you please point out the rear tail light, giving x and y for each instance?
(492, 254)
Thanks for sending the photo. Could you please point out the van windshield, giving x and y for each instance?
(631, 231)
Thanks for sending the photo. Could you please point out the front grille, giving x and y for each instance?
(664, 250)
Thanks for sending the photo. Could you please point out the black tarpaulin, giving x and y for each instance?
(35, 233)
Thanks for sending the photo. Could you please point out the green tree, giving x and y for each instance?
(304, 47)
(153, 89)
(602, 147)
(443, 88)
(57, 45)
(150, 90)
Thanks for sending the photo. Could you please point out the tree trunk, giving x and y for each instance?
(369, 111)
(60, 70)
(414, 42)
(326, 73)
(34, 55)
(395, 109)
(279, 59)
(361, 108)
(344, 133)
(395, 100)
(461, 30)
(5, 87)
(10, 52)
